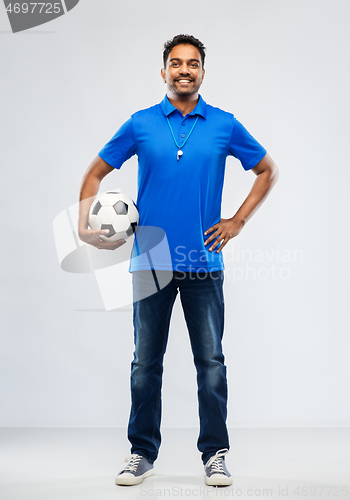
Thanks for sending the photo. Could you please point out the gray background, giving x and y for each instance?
(282, 68)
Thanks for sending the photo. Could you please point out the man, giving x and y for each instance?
(182, 144)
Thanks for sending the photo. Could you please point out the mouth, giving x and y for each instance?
(184, 81)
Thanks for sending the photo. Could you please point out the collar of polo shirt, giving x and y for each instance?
(200, 109)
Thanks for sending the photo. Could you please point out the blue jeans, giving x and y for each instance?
(202, 301)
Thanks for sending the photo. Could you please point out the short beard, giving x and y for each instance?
(191, 91)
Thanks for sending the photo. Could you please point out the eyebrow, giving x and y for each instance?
(178, 59)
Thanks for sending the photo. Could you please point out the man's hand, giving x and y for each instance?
(93, 238)
(223, 231)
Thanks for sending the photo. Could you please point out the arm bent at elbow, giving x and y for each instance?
(96, 171)
(267, 175)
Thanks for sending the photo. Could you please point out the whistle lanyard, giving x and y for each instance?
(180, 152)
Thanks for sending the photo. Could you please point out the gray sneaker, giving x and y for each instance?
(215, 471)
(135, 471)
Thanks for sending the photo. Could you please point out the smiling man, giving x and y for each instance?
(182, 145)
(183, 81)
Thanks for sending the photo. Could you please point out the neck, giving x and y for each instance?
(185, 104)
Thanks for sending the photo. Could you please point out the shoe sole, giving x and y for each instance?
(130, 479)
(218, 480)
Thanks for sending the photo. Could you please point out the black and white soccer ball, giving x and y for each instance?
(116, 212)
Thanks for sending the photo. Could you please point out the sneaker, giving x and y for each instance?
(135, 471)
(215, 470)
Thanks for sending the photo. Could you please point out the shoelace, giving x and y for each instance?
(216, 462)
(133, 462)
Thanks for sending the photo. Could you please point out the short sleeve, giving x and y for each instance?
(244, 147)
(121, 147)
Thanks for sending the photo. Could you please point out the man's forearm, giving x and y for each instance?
(223, 231)
(90, 186)
(259, 192)
(88, 192)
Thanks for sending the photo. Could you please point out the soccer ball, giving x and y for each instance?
(116, 212)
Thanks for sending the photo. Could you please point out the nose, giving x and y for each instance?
(184, 69)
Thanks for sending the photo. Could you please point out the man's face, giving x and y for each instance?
(184, 72)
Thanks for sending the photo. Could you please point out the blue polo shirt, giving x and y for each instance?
(182, 197)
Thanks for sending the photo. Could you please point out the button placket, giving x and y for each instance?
(182, 131)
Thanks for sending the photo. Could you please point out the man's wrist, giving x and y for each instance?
(239, 219)
(82, 227)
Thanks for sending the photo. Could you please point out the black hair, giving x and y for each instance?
(183, 39)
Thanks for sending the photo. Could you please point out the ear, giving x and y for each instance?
(162, 73)
(203, 73)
